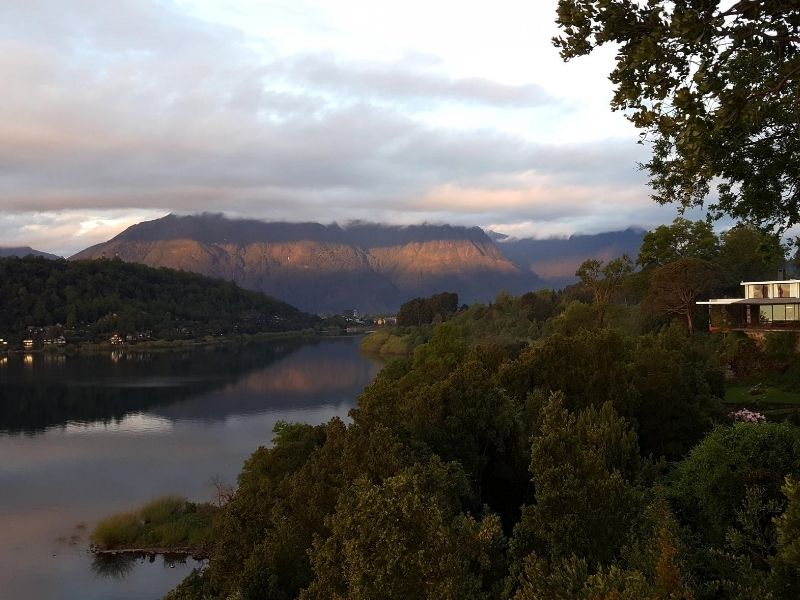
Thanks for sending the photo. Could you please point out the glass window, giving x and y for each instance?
(791, 314)
(765, 314)
(779, 312)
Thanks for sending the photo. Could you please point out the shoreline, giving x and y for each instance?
(170, 345)
(178, 551)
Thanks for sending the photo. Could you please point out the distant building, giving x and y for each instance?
(3, 345)
(116, 340)
(350, 313)
(28, 344)
(766, 306)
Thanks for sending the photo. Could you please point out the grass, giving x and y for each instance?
(740, 395)
(777, 401)
(166, 523)
(387, 341)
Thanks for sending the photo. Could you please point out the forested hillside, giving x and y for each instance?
(592, 464)
(97, 297)
(578, 444)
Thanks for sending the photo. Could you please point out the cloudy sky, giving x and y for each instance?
(114, 112)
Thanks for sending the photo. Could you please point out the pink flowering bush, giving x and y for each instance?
(748, 416)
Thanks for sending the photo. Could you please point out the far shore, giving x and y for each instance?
(169, 345)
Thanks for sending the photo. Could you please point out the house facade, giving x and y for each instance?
(766, 306)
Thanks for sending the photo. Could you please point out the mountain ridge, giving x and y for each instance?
(328, 268)
(22, 251)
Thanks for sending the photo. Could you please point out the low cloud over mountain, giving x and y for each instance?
(367, 266)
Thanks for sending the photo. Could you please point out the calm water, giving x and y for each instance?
(81, 437)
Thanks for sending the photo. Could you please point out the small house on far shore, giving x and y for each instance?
(766, 306)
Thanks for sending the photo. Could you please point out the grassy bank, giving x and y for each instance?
(395, 341)
(166, 524)
(387, 342)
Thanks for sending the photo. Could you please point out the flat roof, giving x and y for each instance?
(719, 301)
(772, 281)
(769, 301)
(751, 301)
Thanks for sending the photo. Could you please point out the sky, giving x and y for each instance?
(440, 111)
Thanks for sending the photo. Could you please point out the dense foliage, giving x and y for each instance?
(714, 85)
(98, 297)
(424, 311)
(584, 461)
(170, 522)
(741, 253)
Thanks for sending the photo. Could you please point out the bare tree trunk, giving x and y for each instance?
(689, 320)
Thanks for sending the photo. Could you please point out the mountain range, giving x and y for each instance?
(21, 251)
(366, 266)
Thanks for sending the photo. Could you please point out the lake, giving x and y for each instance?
(85, 436)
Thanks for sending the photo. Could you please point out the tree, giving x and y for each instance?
(786, 563)
(748, 254)
(675, 287)
(682, 239)
(584, 502)
(714, 87)
(404, 538)
(422, 311)
(708, 486)
(604, 280)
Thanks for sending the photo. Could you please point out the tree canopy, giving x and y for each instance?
(715, 87)
(98, 297)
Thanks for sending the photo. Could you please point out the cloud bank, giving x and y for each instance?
(121, 111)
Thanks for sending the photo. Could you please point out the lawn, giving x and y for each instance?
(774, 401)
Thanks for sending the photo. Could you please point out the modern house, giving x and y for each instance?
(766, 306)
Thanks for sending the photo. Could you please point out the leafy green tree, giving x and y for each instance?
(404, 538)
(604, 279)
(714, 86)
(652, 566)
(422, 311)
(678, 387)
(584, 503)
(590, 368)
(682, 239)
(675, 288)
(576, 317)
(786, 563)
(749, 254)
(709, 485)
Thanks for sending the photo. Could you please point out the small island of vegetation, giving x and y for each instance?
(169, 523)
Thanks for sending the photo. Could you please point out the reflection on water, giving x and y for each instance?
(115, 566)
(43, 391)
(137, 423)
(101, 435)
(119, 566)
